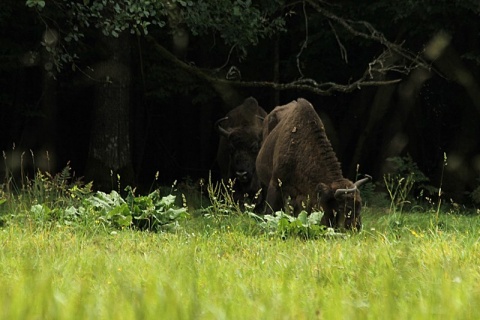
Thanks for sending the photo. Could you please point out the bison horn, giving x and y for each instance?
(363, 181)
(219, 128)
(260, 117)
(348, 190)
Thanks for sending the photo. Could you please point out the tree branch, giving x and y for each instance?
(374, 35)
(309, 85)
(305, 42)
(343, 51)
(394, 59)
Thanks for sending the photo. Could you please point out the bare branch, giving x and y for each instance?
(305, 42)
(228, 58)
(374, 35)
(394, 59)
(325, 88)
(343, 51)
(309, 85)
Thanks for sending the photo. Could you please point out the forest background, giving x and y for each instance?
(130, 88)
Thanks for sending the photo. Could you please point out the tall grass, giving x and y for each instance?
(217, 266)
(197, 273)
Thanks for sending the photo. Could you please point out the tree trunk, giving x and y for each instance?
(38, 138)
(48, 125)
(110, 157)
(276, 69)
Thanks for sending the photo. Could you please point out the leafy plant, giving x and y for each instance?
(304, 226)
(151, 212)
(110, 208)
(154, 212)
(53, 200)
(45, 199)
(238, 23)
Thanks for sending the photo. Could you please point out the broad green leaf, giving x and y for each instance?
(39, 209)
(302, 217)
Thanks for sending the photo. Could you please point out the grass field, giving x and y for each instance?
(403, 266)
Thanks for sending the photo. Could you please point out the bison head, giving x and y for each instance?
(243, 144)
(342, 203)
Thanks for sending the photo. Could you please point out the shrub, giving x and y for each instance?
(405, 181)
(305, 226)
(59, 200)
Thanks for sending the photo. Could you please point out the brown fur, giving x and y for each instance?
(239, 145)
(297, 161)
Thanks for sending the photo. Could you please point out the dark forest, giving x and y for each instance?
(131, 88)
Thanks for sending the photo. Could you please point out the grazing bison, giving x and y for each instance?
(297, 161)
(240, 140)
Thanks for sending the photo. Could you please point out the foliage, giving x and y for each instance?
(154, 212)
(110, 209)
(305, 226)
(222, 201)
(56, 201)
(208, 271)
(111, 17)
(405, 181)
(404, 166)
(399, 189)
(45, 198)
(239, 24)
(222, 204)
(151, 212)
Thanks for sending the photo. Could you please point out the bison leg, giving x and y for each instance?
(329, 219)
(274, 197)
(340, 220)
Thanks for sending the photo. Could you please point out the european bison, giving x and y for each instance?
(297, 161)
(240, 140)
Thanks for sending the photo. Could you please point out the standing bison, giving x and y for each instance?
(297, 161)
(240, 140)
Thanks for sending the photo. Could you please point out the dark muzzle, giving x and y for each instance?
(353, 222)
(241, 176)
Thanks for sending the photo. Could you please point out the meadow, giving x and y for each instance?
(57, 264)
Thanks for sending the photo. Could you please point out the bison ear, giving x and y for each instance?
(251, 104)
(251, 101)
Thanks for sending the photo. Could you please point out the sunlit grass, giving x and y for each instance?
(224, 268)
